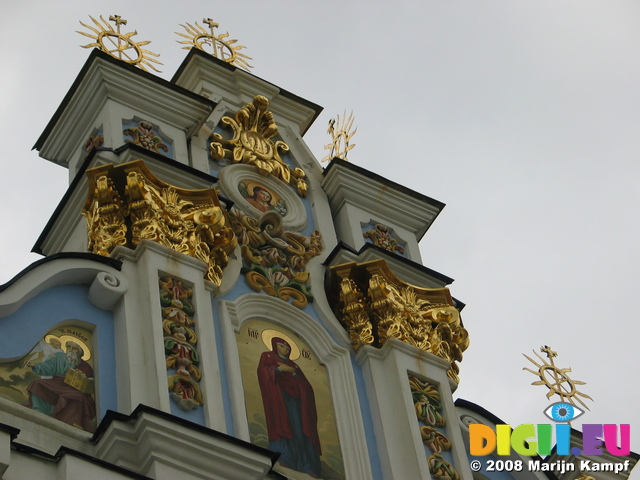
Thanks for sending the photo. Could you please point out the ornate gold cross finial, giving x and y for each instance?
(556, 379)
(340, 139)
(211, 23)
(119, 45)
(216, 45)
(117, 19)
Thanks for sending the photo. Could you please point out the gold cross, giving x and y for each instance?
(118, 21)
(211, 24)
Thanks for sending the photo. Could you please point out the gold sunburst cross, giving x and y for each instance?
(120, 45)
(340, 139)
(556, 379)
(216, 45)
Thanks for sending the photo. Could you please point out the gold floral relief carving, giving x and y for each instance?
(127, 203)
(145, 135)
(380, 237)
(426, 401)
(274, 260)
(373, 306)
(106, 217)
(180, 339)
(253, 143)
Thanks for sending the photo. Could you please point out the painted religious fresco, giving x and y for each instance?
(55, 378)
(262, 198)
(288, 401)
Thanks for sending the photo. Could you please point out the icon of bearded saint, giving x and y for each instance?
(54, 397)
(290, 410)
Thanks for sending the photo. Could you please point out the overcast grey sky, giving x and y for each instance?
(523, 116)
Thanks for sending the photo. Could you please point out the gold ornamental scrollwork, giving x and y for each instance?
(253, 143)
(274, 260)
(127, 204)
(426, 401)
(373, 305)
(180, 339)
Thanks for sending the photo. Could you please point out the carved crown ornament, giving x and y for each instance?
(127, 203)
(253, 143)
(373, 305)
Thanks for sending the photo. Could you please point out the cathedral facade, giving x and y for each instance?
(212, 303)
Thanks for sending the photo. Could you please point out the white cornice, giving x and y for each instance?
(207, 76)
(104, 79)
(388, 202)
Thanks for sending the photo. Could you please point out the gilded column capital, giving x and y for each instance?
(374, 305)
(127, 203)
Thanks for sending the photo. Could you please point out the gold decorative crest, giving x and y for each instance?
(273, 259)
(340, 140)
(127, 203)
(556, 379)
(120, 45)
(380, 237)
(373, 305)
(180, 339)
(426, 401)
(216, 45)
(254, 129)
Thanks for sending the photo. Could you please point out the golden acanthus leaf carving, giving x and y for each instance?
(106, 216)
(253, 143)
(373, 306)
(355, 315)
(274, 260)
(428, 407)
(130, 197)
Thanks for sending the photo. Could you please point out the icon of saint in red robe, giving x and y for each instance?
(290, 410)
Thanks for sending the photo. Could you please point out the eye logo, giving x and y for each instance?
(563, 412)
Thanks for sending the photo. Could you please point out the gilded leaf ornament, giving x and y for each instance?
(380, 237)
(274, 260)
(340, 138)
(180, 339)
(426, 401)
(373, 306)
(253, 143)
(145, 135)
(127, 204)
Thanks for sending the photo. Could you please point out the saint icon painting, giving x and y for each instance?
(290, 409)
(55, 377)
(288, 401)
(262, 198)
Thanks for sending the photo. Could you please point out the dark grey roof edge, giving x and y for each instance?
(343, 246)
(381, 179)
(95, 53)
